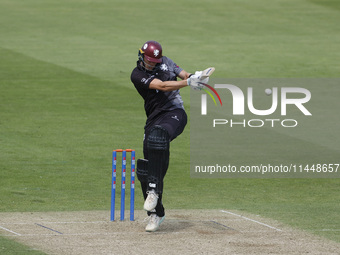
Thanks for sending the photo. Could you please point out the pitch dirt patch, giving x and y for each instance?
(182, 232)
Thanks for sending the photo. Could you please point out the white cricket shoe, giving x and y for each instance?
(151, 201)
(154, 223)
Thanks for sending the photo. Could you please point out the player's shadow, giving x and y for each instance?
(194, 226)
(173, 225)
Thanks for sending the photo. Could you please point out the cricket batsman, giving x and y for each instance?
(155, 78)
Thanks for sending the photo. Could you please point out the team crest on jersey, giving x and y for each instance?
(156, 52)
(164, 67)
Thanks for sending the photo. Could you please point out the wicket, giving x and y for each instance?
(113, 184)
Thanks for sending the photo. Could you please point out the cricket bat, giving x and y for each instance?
(207, 72)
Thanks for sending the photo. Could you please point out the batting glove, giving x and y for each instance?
(202, 79)
(194, 82)
(198, 73)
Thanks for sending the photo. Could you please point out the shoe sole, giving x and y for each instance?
(149, 209)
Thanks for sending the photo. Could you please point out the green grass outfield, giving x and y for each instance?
(66, 98)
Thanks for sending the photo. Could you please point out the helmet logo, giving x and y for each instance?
(156, 52)
(145, 46)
